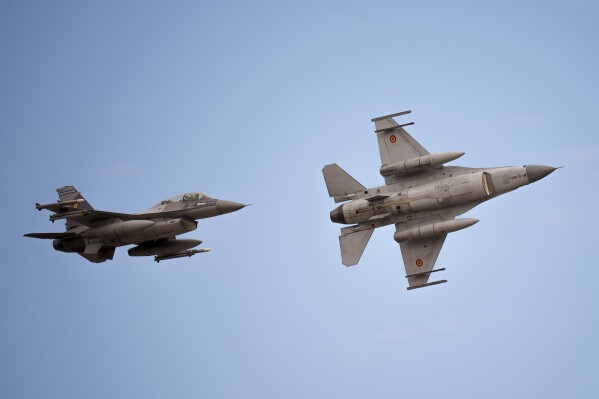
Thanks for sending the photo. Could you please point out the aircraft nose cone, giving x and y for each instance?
(228, 206)
(537, 172)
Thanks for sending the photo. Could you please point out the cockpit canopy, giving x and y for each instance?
(184, 198)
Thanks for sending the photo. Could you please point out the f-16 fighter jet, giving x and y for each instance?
(95, 234)
(421, 198)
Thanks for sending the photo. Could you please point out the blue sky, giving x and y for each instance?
(138, 101)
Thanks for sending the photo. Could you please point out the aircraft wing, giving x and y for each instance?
(420, 255)
(92, 217)
(395, 144)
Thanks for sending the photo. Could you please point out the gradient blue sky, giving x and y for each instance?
(133, 102)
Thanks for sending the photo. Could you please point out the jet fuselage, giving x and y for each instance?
(449, 187)
(95, 234)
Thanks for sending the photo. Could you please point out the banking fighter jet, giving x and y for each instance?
(421, 197)
(95, 234)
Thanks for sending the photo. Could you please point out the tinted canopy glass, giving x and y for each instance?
(184, 197)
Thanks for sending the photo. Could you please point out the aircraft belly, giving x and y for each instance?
(421, 196)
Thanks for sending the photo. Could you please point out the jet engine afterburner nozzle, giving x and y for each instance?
(337, 215)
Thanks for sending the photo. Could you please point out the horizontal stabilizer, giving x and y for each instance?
(339, 182)
(48, 236)
(353, 245)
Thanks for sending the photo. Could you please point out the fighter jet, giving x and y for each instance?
(95, 234)
(421, 197)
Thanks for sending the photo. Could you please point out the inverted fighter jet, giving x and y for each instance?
(421, 198)
(95, 234)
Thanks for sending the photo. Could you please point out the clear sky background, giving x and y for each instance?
(133, 102)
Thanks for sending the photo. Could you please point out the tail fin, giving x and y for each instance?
(340, 183)
(68, 193)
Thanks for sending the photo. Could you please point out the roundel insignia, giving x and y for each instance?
(75, 205)
(393, 139)
(419, 262)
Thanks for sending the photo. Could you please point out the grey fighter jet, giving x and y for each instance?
(421, 198)
(95, 234)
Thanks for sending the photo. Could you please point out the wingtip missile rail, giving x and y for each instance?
(380, 118)
(426, 285)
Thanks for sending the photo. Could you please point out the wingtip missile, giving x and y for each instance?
(181, 254)
(380, 118)
(59, 204)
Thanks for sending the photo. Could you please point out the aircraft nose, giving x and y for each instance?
(223, 206)
(537, 172)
